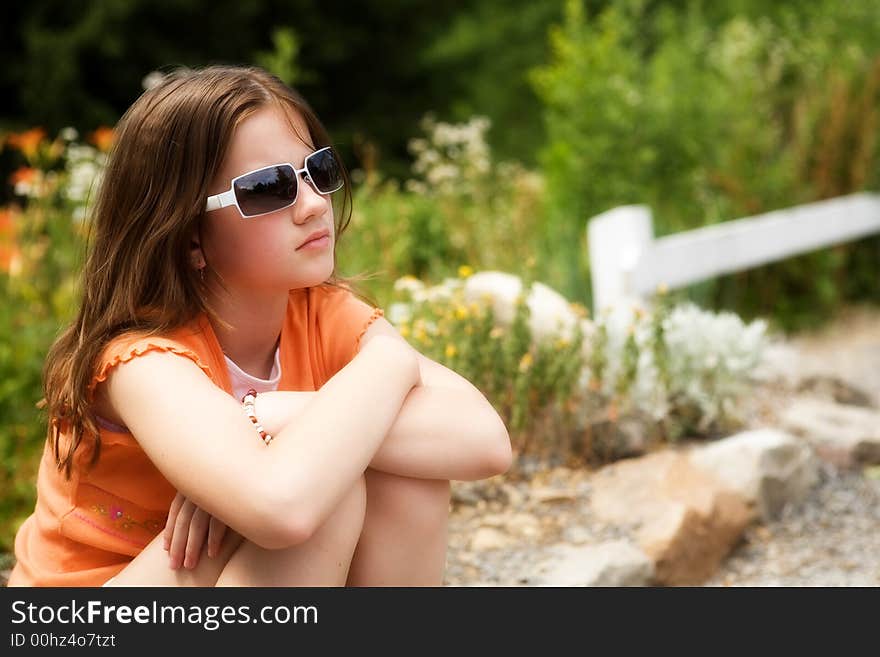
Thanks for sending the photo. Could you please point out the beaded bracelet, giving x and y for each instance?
(248, 400)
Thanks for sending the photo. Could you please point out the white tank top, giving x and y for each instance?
(242, 381)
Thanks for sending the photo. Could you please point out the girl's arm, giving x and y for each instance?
(276, 496)
(446, 429)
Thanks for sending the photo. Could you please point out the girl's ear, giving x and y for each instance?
(196, 256)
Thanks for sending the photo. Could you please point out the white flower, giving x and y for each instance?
(68, 134)
(152, 79)
(408, 284)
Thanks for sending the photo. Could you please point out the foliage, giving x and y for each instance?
(525, 380)
(706, 116)
(41, 249)
(674, 370)
(684, 367)
(458, 206)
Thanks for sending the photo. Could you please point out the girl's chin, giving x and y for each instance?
(315, 276)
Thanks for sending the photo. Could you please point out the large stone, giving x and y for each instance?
(848, 436)
(550, 313)
(489, 538)
(614, 563)
(687, 520)
(686, 545)
(768, 468)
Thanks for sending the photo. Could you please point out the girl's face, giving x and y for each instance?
(265, 253)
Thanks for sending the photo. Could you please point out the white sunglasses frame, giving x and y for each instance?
(227, 198)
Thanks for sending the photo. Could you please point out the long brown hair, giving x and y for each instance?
(168, 147)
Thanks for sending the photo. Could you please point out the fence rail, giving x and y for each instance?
(628, 264)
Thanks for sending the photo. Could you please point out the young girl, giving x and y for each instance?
(212, 275)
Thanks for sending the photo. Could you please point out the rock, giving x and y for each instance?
(687, 546)
(688, 521)
(628, 437)
(548, 494)
(577, 535)
(615, 563)
(550, 313)
(844, 435)
(464, 495)
(768, 468)
(834, 389)
(489, 538)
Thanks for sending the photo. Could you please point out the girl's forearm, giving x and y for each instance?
(439, 433)
(445, 433)
(337, 430)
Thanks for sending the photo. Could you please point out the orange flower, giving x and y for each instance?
(10, 254)
(26, 175)
(28, 142)
(102, 138)
(6, 225)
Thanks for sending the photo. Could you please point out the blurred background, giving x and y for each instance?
(482, 135)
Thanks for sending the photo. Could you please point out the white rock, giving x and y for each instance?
(614, 563)
(551, 313)
(846, 435)
(767, 467)
(489, 538)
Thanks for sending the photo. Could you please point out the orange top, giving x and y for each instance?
(86, 529)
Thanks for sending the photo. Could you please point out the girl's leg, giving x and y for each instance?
(151, 566)
(403, 542)
(323, 559)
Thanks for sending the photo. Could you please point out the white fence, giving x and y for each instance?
(628, 264)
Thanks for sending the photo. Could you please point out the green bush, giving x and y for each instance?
(706, 120)
(529, 383)
(459, 207)
(42, 244)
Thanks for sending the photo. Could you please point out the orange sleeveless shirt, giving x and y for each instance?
(85, 529)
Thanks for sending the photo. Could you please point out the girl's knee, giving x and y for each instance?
(420, 501)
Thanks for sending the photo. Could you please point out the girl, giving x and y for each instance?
(212, 274)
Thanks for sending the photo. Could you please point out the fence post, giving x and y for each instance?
(616, 239)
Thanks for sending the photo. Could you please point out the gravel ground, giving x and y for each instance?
(832, 538)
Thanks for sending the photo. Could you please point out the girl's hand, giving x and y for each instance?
(185, 533)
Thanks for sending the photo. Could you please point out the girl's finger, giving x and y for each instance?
(181, 534)
(198, 530)
(176, 503)
(216, 530)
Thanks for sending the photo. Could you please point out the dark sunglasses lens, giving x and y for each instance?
(266, 190)
(324, 171)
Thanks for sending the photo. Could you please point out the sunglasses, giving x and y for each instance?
(276, 187)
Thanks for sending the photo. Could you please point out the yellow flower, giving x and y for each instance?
(525, 362)
(496, 333)
(451, 350)
(461, 312)
(464, 271)
(561, 343)
(404, 331)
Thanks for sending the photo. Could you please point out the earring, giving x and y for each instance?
(202, 273)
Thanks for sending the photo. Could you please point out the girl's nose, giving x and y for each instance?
(309, 201)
